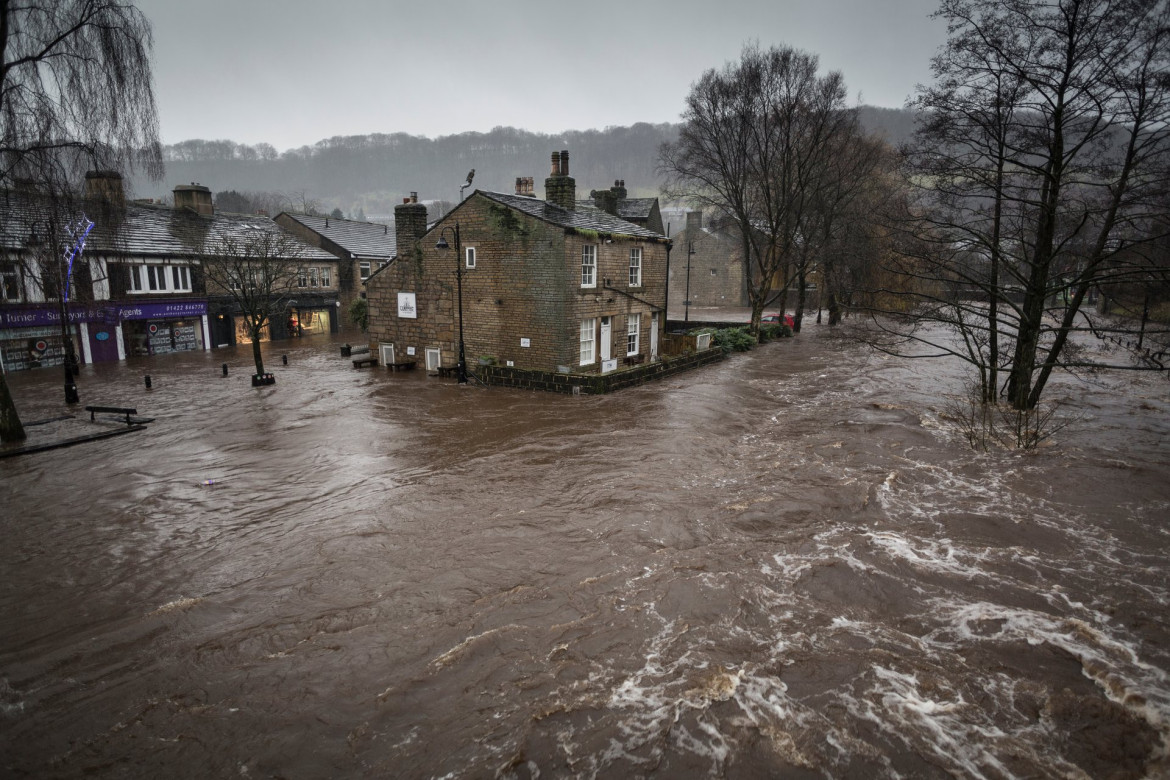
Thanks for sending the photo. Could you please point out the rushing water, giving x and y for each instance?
(788, 564)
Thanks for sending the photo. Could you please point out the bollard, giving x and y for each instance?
(225, 369)
(284, 359)
(146, 379)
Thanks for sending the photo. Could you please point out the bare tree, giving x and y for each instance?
(258, 269)
(75, 93)
(762, 142)
(1038, 166)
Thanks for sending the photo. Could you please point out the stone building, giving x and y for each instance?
(547, 285)
(709, 261)
(360, 247)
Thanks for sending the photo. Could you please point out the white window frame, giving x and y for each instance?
(635, 266)
(364, 269)
(589, 266)
(180, 278)
(302, 277)
(156, 277)
(314, 277)
(633, 334)
(325, 276)
(469, 255)
(135, 285)
(588, 342)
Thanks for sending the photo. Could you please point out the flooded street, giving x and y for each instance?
(787, 564)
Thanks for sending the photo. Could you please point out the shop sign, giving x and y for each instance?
(51, 315)
(406, 306)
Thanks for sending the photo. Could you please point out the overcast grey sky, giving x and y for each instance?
(292, 72)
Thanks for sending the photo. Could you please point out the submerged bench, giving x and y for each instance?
(118, 410)
(402, 365)
(365, 361)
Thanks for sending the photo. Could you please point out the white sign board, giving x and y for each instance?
(410, 350)
(608, 365)
(406, 306)
(526, 342)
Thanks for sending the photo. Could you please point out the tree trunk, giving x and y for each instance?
(256, 354)
(10, 426)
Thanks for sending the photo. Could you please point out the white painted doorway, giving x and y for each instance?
(606, 338)
(386, 354)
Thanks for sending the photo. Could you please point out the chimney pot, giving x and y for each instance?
(565, 162)
(414, 197)
(556, 165)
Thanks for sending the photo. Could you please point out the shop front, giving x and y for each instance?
(30, 337)
(161, 327)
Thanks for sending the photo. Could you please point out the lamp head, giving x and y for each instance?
(442, 242)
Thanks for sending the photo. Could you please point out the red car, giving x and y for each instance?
(772, 318)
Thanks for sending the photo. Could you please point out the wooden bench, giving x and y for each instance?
(119, 410)
(402, 365)
(365, 361)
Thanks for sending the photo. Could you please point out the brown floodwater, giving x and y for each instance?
(788, 564)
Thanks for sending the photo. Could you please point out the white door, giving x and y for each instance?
(386, 354)
(654, 336)
(606, 338)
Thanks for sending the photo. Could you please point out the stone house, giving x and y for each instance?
(137, 286)
(361, 248)
(546, 285)
(709, 262)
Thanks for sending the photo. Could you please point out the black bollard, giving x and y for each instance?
(225, 369)
(147, 380)
(284, 359)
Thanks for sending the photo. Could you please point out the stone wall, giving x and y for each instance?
(595, 384)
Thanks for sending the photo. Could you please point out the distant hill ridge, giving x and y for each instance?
(374, 172)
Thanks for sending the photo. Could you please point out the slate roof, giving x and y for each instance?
(627, 208)
(141, 230)
(364, 240)
(583, 218)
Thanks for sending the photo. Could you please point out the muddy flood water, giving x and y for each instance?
(785, 565)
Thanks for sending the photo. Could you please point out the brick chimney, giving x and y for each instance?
(525, 186)
(694, 224)
(410, 223)
(619, 189)
(105, 186)
(195, 197)
(560, 188)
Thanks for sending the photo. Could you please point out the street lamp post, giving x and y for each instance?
(461, 368)
(68, 357)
